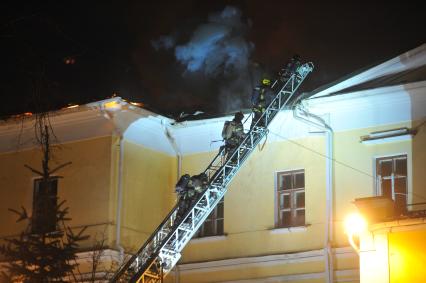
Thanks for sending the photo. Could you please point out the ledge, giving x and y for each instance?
(208, 239)
(394, 135)
(388, 139)
(288, 230)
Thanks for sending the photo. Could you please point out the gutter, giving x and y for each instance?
(300, 113)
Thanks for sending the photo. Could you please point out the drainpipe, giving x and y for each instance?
(179, 166)
(300, 113)
(119, 199)
(175, 147)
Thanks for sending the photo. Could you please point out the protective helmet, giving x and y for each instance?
(266, 81)
(186, 176)
(238, 116)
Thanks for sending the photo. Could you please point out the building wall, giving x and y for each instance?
(250, 219)
(85, 184)
(149, 178)
(250, 203)
(354, 170)
(407, 255)
(394, 252)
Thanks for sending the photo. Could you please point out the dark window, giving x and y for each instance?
(213, 226)
(290, 199)
(44, 205)
(391, 175)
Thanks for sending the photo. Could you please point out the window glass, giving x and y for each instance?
(44, 205)
(286, 201)
(385, 167)
(392, 180)
(213, 225)
(300, 199)
(401, 166)
(300, 181)
(290, 197)
(286, 182)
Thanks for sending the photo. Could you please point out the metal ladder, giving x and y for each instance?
(162, 250)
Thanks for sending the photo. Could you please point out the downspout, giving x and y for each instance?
(175, 147)
(119, 199)
(300, 113)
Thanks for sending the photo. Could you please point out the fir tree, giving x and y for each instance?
(46, 250)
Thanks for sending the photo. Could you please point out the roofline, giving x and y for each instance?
(365, 73)
(359, 94)
(115, 103)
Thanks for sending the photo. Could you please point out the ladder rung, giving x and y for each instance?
(200, 208)
(184, 229)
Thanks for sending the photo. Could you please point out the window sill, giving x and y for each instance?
(208, 239)
(288, 230)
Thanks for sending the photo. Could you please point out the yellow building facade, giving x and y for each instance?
(282, 218)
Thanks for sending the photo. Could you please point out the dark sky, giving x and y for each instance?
(110, 45)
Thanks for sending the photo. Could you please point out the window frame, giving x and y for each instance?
(213, 218)
(292, 193)
(378, 189)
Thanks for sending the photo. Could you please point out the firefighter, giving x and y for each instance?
(290, 68)
(233, 132)
(199, 184)
(185, 197)
(259, 101)
(182, 183)
(189, 190)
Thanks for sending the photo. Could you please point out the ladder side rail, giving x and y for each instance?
(252, 139)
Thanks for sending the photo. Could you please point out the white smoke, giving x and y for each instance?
(218, 49)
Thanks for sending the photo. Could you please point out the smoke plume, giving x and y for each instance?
(220, 52)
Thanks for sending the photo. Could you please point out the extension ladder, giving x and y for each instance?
(162, 250)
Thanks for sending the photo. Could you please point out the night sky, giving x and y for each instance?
(177, 56)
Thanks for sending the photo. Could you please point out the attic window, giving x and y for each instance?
(394, 135)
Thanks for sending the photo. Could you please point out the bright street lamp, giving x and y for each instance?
(355, 225)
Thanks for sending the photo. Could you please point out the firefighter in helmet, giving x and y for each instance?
(233, 132)
(259, 101)
(190, 188)
(290, 68)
